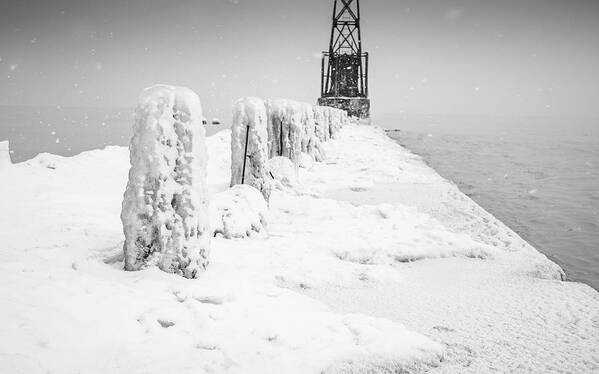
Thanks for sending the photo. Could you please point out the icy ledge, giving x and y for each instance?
(373, 263)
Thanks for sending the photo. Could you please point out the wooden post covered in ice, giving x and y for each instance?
(165, 213)
(249, 145)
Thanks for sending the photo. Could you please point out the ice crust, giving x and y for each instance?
(321, 120)
(249, 124)
(295, 127)
(164, 213)
(285, 130)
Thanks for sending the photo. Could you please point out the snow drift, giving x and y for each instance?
(249, 130)
(238, 212)
(164, 212)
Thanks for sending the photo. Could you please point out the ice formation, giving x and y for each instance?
(334, 116)
(249, 130)
(238, 212)
(295, 127)
(4, 154)
(312, 133)
(284, 172)
(308, 129)
(164, 211)
(284, 128)
(321, 120)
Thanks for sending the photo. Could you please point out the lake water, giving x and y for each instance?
(65, 131)
(538, 176)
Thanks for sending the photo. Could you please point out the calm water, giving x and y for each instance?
(539, 176)
(65, 131)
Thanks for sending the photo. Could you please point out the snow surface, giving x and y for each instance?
(165, 211)
(371, 263)
(249, 127)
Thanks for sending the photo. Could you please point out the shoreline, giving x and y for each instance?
(373, 261)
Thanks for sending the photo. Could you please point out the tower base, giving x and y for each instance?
(355, 106)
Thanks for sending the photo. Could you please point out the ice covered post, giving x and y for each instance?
(165, 212)
(308, 128)
(334, 116)
(249, 145)
(284, 129)
(322, 124)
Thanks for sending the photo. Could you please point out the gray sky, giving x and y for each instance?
(502, 57)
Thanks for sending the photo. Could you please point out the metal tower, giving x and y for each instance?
(344, 78)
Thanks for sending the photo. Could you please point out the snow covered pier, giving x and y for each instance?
(372, 261)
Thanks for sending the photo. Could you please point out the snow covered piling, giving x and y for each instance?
(249, 145)
(321, 120)
(284, 129)
(335, 120)
(292, 128)
(165, 213)
(308, 129)
(4, 154)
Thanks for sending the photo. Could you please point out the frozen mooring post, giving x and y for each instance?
(165, 212)
(285, 129)
(249, 145)
(344, 78)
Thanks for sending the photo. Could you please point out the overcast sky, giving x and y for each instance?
(502, 57)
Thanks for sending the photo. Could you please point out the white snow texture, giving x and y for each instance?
(441, 285)
(238, 212)
(164, 213)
